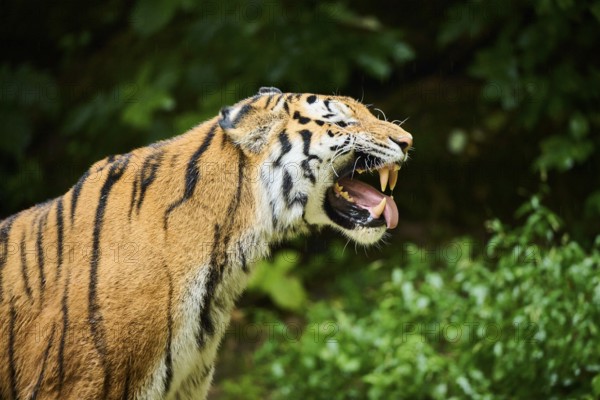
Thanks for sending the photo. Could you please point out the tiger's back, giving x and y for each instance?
(122, 287)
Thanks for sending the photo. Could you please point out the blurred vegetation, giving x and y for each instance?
(502, 99)
(514, 317)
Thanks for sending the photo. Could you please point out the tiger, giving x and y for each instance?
(123, 287)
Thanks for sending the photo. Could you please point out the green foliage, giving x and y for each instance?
(273, 279)
(515, 318)
(537, 70)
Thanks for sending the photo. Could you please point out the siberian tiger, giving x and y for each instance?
(122, 288)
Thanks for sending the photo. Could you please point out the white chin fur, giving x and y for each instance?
(363, 235)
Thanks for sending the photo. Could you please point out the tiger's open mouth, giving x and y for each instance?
(351, 203)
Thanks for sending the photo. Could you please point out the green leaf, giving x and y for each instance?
(596, 385)
(276, 280)
(579, 126)
(562, 152)
(457, 141)
(376, 66)
(288, 293)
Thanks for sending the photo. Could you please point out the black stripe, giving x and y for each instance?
(59, 236)
(287, 186)
(4, 236)
(63, 334)
(40, 380)
(76, 192)
(337, 147)
(95, 316)
(235, 202)
(308, 171)
(134, 191)
(192, 175)
(148, 175)
(243, 258)
(169, 354)
(286, 146)
(301, 199)
(269, 99)
(11, 351)
(326, 102)
(298, 198)
(40, 254)
(311, 99)
(207, 327)
(127, 384)
(246, 108)
(306, 138)
(254, 99)
(218, 258)
(302, 120)
(274, 221)
(286, 107)
(24, 268)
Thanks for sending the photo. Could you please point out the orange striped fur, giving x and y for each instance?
(122, 287)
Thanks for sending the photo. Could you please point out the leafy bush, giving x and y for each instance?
(526, 71)
(515, 318)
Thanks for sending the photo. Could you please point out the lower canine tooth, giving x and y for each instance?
(384, 175)
(378, 209)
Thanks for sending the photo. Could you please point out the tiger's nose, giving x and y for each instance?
(405, 142)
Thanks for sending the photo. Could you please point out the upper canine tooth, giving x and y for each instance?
(393, 178)
(360, 170)
(397, 167)
(378, 209)
(384, 174)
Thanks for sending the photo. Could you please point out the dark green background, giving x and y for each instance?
(502, 98)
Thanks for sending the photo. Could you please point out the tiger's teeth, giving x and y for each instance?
(378, 209)
(393, 178)
(397, 167)
(384, 175)
(347, 196)
(360, 171)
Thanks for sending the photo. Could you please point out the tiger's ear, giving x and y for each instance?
(269, 89)
(250, 127)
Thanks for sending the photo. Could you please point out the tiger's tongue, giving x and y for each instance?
(367, 197)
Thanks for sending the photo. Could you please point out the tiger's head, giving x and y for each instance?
(310, 152)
